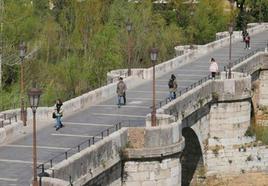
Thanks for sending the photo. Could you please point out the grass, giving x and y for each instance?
(261, 132)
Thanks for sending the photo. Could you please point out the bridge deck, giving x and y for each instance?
(16, 158)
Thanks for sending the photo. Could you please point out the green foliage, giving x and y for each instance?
(250, 132)
(208, 19)
(9, 98)
(78, 42)
(262, 134)
(251, 11)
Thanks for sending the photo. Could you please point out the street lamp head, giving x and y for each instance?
(34, 97)
(129, 26)
(22, 50)
(153, 54)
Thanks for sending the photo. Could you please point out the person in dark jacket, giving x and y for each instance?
(172, 85)
(121, 91)
(247, 41)
(58, 113)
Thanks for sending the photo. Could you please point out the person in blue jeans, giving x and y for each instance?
(121, 91)
(58, 113)
(172, 85)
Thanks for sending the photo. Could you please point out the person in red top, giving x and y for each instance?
(247, 41)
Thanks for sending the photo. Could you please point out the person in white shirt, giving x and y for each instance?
(213, 68)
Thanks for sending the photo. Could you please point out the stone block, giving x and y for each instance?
(148, 183)
(131, 166)
(163, 174)
(175, 171)
(138, 176)
(132, 183)
(152, 137)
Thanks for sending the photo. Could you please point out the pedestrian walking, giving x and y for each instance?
(244, 34)
(213, 68)
(58, 113)
(247, 42)
(121, 91)
(172, 85)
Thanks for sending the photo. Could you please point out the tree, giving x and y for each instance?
(208, 19)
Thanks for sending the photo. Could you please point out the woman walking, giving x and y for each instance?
(58, 114)
(213, 68)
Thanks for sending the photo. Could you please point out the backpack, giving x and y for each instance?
(170, 83)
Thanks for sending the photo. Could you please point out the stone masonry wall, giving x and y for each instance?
(263, 89)
(91, 162)
(229, 120)
(236, 156)
(152, 173)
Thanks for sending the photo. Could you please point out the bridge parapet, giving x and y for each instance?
(212, 90)
(252, 64)
(78, 103)
(128, 150)
(190, 52)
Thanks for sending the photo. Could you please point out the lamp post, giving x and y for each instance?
(153, 54)
(230, 51)
(129, 29)
(34, 97)
(22, 52)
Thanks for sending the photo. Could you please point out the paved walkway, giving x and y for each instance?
(16, 157)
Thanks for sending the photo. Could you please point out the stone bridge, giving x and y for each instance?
(204, 128)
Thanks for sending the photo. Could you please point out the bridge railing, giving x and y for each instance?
(206, 78)
(6, 119)
(84, 144)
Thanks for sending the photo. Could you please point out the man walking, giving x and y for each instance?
(121, 91)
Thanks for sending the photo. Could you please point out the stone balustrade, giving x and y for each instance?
(79, 103)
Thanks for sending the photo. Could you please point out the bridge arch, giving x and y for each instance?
(192, 157)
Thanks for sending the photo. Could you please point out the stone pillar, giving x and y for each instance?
(229, 120)
(152, 156)
(263, 89)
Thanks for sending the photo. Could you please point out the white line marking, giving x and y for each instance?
(167, 92)
(87, 124)
(144, 91)
(124, 115)
(193, 70)
(135, 102)
(196, 75)
(181, 80)
(145, 99)
(74, 135)
(17, 161)
(39, 147)
(8, 179)
(125, 106)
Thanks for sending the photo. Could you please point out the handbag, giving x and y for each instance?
(53, 115)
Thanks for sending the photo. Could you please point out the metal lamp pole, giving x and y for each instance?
(22, 51)
(154, 53)
(129, 29)
(34, 97)
(230, 52)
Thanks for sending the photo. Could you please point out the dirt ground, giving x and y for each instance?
(246, 179)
